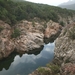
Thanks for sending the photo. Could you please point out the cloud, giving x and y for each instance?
(50, 2)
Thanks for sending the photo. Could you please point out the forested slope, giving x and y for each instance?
(12, 11)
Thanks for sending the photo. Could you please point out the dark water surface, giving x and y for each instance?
(27, 63)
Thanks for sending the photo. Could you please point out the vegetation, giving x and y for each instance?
(51, 69)
(62, 23)
(1, 28)
(54, 68)
(44, 71)
(12, 11)
(16, 33)
(72, 33)
(33, 23)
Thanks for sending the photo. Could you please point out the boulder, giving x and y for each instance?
(28, 42)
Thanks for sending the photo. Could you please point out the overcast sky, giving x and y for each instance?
(50, 2)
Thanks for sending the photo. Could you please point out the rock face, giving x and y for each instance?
(6, 44)
(28, 42)
(31, 36)
(52, 31)
(65, 50)
(64, 59)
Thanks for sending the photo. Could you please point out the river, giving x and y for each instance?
(27, 63)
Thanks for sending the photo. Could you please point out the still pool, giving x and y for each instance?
(27, 63)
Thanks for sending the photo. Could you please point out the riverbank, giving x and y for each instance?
(64, 55)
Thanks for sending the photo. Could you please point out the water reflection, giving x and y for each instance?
(5, 63)
(27, 63)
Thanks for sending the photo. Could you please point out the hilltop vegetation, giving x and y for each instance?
(12, 11)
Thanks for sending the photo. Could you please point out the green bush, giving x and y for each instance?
(72, 33)
(33, 23)
(16, 33)
(1, 28)
(62, 23)
(44, 71)
(54, 68)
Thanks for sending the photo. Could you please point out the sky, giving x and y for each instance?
(49, 2)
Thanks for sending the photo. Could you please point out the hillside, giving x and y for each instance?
(26, 27)
(12, 11)
(69, 5)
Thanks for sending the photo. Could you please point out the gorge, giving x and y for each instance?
(32, 35)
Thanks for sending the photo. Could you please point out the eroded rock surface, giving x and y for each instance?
(31, 36)
(65, 50)
(30, 41)
(6, 44)
(64, 59)
(52, 31)
(65, 44)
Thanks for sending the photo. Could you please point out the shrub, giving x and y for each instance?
(72, 33)
(16, 33)
(62, 23)
(44, 71)
(33, 23)
(54, 68)
(1, 28)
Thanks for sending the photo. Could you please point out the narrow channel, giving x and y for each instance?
(27, 63)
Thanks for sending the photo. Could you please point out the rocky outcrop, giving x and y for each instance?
(6, 44)
(28, 42)
(66, 20)
(65, 50)
(26, 36)
(64, 59)
(52, 31)
(30, 37)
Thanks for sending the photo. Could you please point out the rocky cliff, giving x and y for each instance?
(25, 36)
(64, 59)
(65, 50)
(6, 44)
